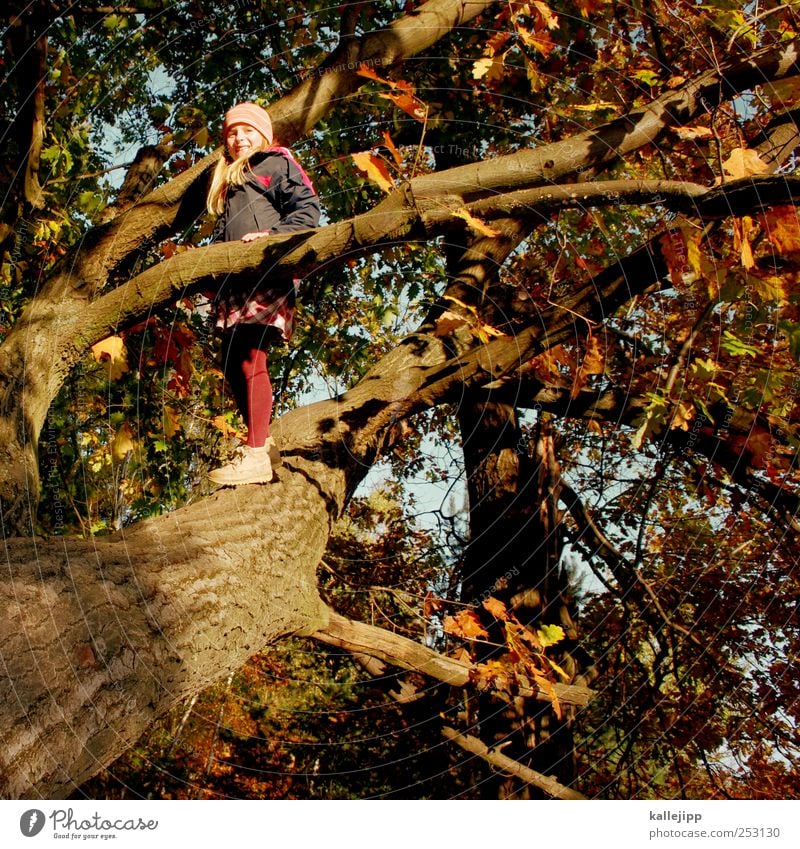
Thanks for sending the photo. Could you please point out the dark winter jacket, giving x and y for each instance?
(277, 196)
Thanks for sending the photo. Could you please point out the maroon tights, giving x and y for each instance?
(244, 364)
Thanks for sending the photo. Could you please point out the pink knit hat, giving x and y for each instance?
(252, 115)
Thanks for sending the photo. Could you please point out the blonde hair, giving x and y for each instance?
(228, 173)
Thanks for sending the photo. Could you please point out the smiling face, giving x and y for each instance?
(242, 139)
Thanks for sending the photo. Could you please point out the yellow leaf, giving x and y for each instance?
(485, 332)
(744, 162)
(112, 354)
(546, 685)
(684, 413)
(549, 635)
(598, 106)
(374, 169)
(123, 443)
(171, 422)
(548, 16)
(448, 322)
(476, 224)
(482, 67)
(742, 230)
(769, 288)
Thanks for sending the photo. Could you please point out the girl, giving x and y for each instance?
(257, 189)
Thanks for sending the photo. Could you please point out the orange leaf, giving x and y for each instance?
(374, 169)
(496, 608)
(783, 229)
(409, 103)
(221, 424)
(681, 252)
(367, 72)
(431, 604)
(387, 140)
(465, 625)
(492, 674)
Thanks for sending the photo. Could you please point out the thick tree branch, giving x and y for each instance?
(361, 638)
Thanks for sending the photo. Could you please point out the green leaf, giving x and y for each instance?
(736, 347)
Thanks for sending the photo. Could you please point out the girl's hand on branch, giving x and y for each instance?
(249, 237)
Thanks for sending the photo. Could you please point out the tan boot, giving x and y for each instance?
(251, 465)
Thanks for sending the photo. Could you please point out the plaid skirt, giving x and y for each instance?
(267, 307)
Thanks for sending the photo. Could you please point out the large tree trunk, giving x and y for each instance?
(99, 637)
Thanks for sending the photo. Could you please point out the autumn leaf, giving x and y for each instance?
(496, 608)
(593, 363)
(652, 421)
(493, 674)
(374, 169)
(466, 625)
(549, 635)
(390, 146)
(683, 413)
(768, 287)
(588, 7)
(171, 421)
(681, 251)
(431, 604)
(476, 224)
(123, 443)
(490, 67)
(545, 685)
(742, 231)
(744, 162)
(227, 430)
(402, 94)
(693, 133)
(783, 229)
(113, 355)
(447, 323)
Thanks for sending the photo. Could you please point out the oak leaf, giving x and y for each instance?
(549, 635)
(783, 229)
(496, 608)
(466, 625)
(744, 162)
(113, 355)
